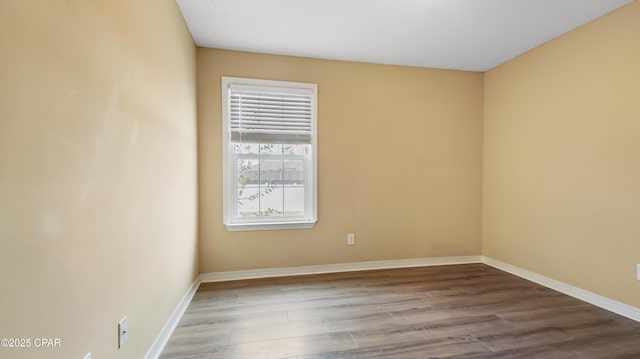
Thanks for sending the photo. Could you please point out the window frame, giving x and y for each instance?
(229, 197)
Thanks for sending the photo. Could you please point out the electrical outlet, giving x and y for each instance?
(638, 272)
(351, 239)
(88, 356)
(123, 332)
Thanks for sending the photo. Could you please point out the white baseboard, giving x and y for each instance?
(167, 330)
(584, 295)
(335, 268)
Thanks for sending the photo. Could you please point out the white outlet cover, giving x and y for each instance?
(638, 274)
(123, 332)
(351, 239)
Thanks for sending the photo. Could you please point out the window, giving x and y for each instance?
(269, 149)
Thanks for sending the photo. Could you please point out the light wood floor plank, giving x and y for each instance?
(468, 311)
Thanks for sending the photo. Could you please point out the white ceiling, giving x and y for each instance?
(474, 35)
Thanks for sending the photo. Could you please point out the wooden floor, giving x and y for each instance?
(463, 311)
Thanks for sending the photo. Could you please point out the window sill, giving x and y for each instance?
(236, 227)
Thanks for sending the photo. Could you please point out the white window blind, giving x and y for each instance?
(270, 115)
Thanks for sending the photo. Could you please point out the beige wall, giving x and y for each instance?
(98, 177)
(399, 163)
(562, 158)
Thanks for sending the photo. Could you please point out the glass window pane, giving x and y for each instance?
(271, 172)
(249, 201)
(292, 149)
(294, 201)
(270, 148)
(272, 202)
(294, 188)
(245, 148)
(248, 171)
(248, 176)
(293, 172)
